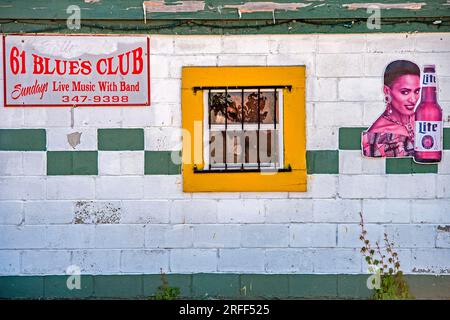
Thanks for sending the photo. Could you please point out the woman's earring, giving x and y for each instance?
(389, 108)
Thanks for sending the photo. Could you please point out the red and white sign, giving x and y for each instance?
(57, 70)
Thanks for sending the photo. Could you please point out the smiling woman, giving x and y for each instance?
(392, 134)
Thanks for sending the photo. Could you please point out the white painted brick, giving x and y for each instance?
(328, 114)
(319, 186)
(193, 211)
(11, 212)
(264, 195)
(193, 260)
(245, 44)
(111, 188)
(352, 162)
(11, 163)
(288, 261)
(163, 139)
(165, 90)
(216, 195)
(431, 211)
(35, 117)
(405, 258)
(312, 235)
(337, 261)
(375, 63)
(179, 62)
(416, 186)
(45, 261)
(326, 210)
(70, 188)
(412, 236)
(444, 165)
(309, 113)
(321, 138)
(443, 237)
(217, 236)
(57, 139)
(159, 66)
(265, 235)
(97, 261)
(153, 211)
(163, 187)
(97, 212)
(293, 43)
(241, 60)
(119, 236)
(443, 95)
(348, 235)
(10, 117)
(241, 260)
(291, 210)
(372, 111)
(302, 59)
(443, 186)
(79, 236)
(132, 162)
(9, 262)
(197, 45)
(240, 211)
(13, 237)
(362, 186)
(430, 42)
(386, 43)
(108, 163)
(144, 261)
(168, 236)
(435, 261)
(386, 211)
(138, 116)
(48, 212)
(98, 117)
(441, 62)
(341, 43)
(34, 163)
(339, 65)
(58, 117)
(373, 166)
(160, 44)
(321, 89)
(360, 89)
(22, 188)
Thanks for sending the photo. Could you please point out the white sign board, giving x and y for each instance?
(66, 70)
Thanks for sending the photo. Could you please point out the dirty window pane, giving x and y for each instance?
(229, 104)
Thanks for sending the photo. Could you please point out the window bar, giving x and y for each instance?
(209, 126)
(275, 109)
(242, 122)
(257, 133)
(225, 133)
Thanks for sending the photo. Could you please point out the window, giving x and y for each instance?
(244, 129)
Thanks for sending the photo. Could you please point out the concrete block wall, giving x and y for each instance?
(119, 208)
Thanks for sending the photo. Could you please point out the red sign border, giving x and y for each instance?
(6, 105)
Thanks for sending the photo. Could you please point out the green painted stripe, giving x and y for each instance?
(72, 163)
(408, 166)
(160, 162)
(350, 138)
(446, 139)
(322, 161)
(217, 285)
(23, 139)
(120, 139)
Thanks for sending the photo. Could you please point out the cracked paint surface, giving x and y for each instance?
(405, 6)
(90, 212)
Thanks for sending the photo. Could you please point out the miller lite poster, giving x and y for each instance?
(76, 70)
(411, 124)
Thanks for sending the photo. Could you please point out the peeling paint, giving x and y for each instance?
(443, 228)
(74, 139)
(90, 212)
(92, 1)
(405, 6)
(266, 6)
(179, 6)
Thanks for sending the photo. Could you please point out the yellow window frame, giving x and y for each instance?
(294, 129)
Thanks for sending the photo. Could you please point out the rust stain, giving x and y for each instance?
(266, 6)
(405, 6)
(179, 6)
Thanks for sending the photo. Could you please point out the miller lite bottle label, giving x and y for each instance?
(428, 121)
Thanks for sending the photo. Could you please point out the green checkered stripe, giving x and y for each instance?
(160, 163)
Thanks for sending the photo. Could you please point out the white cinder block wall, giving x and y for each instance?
(128, 222)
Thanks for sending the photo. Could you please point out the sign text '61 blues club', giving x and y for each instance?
(59, 70)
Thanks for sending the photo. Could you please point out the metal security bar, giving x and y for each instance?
(289, 87)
